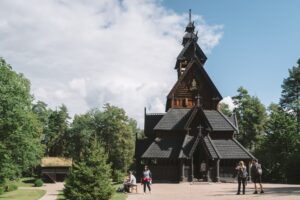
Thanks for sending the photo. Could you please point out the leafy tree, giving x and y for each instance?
(89, 178)
(224, 108)
(279, 145)
(57, 136)
(82, 133)
(113, 128)
(251, 116)
(290, 96)
(20, 131)
(116, 131)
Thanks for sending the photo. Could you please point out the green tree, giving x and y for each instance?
(57, 135)
(113, 128)
(89, 178)
(251, 116)
(82, 133)
(20, 130)
(279, 145)
(224, 108)
(116, 131)
(290, 95)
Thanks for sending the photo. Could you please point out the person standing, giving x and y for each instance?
(147, 179)
(256, 172)
(242, 176)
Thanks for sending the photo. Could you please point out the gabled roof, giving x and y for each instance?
(193, 62)
(190, 50)
(191, 46)
(166, 147)
(213, 153)
(174, 119)
(151, 121)
(187, 145)
(218, 121)
(226, 149)
(233, 121)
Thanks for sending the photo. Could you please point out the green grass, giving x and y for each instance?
(25, 182)
(61, 196)
(23, 194)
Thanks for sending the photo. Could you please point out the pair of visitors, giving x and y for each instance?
(147, 179)
(256, 172)
(129, 182)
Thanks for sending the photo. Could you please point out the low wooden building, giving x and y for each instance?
(193, 140)
(55, 169)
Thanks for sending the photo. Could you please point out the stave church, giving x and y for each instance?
(192, 140)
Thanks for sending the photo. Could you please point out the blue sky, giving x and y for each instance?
(87, 53)
(261, 40)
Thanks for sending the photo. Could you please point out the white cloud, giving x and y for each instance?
(84, 53)
(228, 100)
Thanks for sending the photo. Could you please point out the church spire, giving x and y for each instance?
(190, 28)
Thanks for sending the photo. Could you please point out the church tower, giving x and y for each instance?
(193, 86)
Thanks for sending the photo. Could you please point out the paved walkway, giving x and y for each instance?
(52, 190)
(215, 191)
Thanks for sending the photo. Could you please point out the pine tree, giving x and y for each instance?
(89, 178)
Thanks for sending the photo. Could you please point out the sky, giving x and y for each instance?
(85, 53)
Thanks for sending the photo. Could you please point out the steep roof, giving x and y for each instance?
(190, 50)
(187, 145)
(218, 121)
(166, 147)
(174, 119)
(193, 62)
(226, 149)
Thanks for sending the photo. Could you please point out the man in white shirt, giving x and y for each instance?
(131, 181)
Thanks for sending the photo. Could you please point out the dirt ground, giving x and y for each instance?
(215, 191)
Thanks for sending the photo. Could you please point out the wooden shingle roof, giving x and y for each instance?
(167, 147)
(218, 121)
(226, 149)
(174, 119)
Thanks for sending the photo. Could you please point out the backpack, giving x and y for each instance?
(242, 173)
(259, 169)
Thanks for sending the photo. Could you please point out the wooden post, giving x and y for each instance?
(249, 171)
(192, 168)
(218, 170)
(182, 170)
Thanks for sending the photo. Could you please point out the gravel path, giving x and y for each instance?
(215, 191)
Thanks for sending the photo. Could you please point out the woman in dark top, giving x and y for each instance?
(242, 176)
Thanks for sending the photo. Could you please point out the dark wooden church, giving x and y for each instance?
(192, 140)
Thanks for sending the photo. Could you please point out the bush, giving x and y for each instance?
(38, 183)
(118, 176)
(10, 187)
(2, 190)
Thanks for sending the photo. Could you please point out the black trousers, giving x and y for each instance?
(147, 183)
(241, 181)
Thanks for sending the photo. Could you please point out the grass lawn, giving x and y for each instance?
(23, 194)
(61, 196)
(25, 182)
